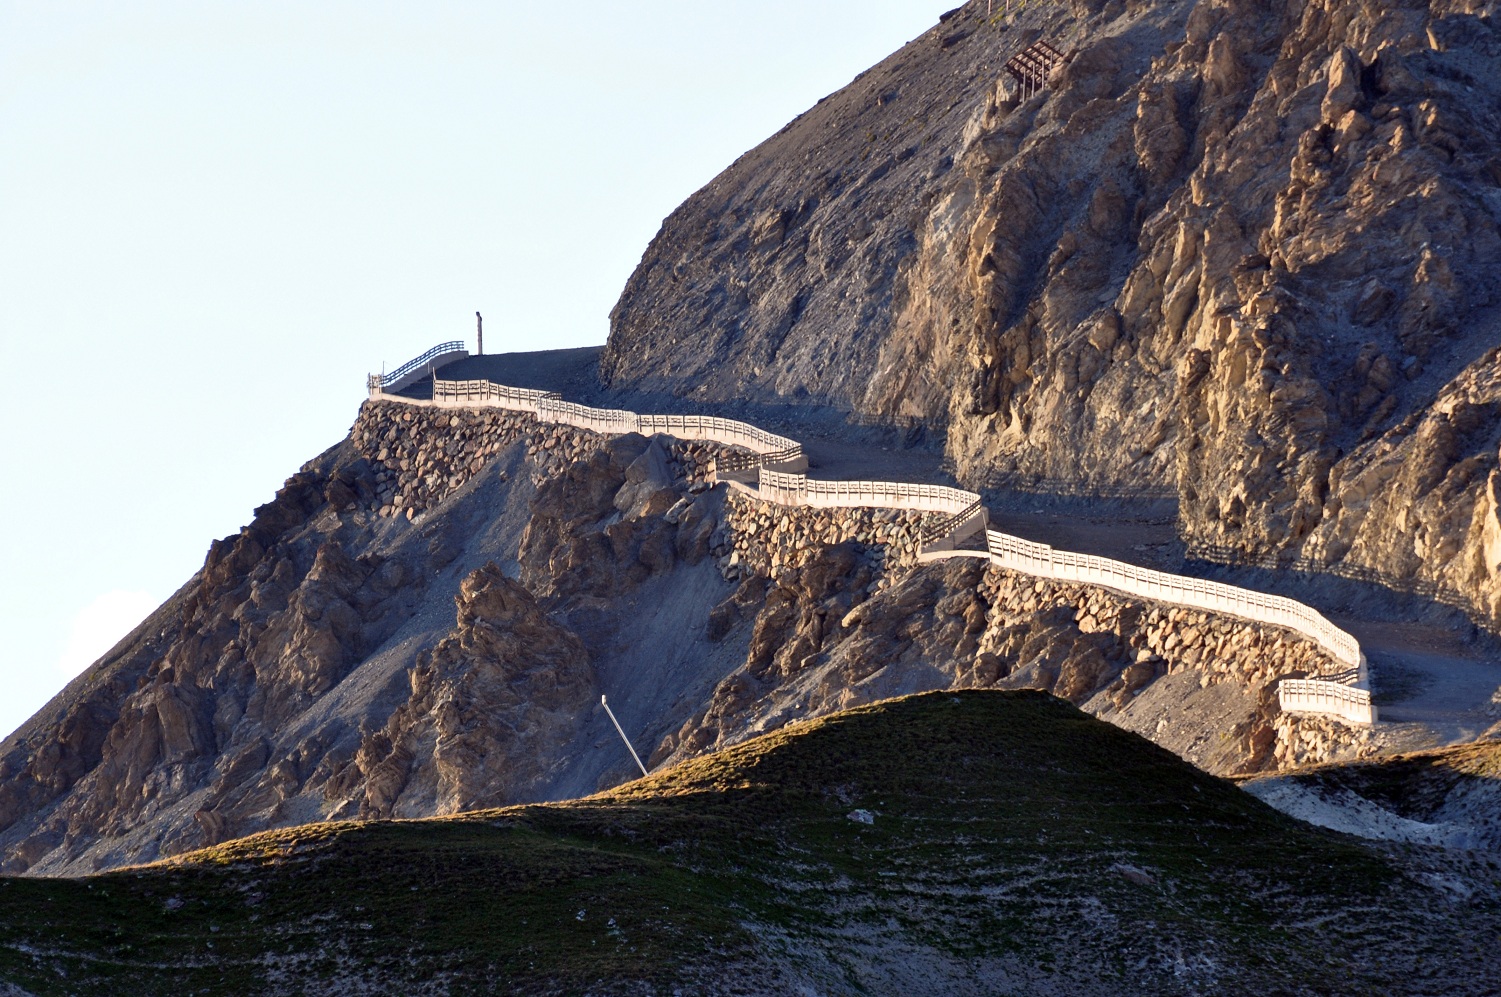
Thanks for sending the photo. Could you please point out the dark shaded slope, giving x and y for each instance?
(1012, 843)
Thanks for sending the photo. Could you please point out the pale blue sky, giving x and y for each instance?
(216, 217)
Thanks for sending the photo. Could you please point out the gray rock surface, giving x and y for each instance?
(1238, 255)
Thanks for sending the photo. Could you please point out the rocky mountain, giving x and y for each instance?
(1106, 288)
(358, 651)
(1239, 254)
(952, 843)
(424, 618)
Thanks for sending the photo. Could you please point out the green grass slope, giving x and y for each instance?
(1017, 845)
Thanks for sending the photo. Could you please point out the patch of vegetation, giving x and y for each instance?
(1006, 830)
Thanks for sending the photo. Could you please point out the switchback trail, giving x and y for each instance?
(1437, 683)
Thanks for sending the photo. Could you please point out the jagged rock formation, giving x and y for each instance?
(491, 705)
(314, 667)
(1238, 254)
(846, 628)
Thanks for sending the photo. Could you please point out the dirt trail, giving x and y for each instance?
(1433, 687)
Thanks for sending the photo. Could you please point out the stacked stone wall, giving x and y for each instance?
(1306, 739)
(773, 539)
(419, 456)
(1165, 638)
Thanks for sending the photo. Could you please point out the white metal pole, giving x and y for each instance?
(622, 735)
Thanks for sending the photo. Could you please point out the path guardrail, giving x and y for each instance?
(1319, 696)
(753, 461)
(413, 369)
(1046, 561)
(798, 489)
(480, 392)
(549, 406)
(963, 508)
(952, 525)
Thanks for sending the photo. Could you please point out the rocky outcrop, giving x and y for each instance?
(1236, 254)
(279, 616)
(632, 508)
(490, 708)
(770, 540)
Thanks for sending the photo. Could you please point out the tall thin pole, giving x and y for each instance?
(479, 328)
(622, 735)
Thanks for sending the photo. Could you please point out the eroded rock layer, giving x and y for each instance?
(1236, 253)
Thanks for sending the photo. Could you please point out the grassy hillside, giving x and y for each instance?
(1014, 843)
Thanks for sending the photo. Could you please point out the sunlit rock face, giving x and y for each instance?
(358, 650)
(1239, 254)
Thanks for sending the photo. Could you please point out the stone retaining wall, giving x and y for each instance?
(1308, 739)
(771, 539)
(1166, 638)
(420, 456)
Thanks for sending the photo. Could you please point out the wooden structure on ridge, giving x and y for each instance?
(1034, 66)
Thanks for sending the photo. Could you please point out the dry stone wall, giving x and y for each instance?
(1164, 638)
(421, 455)
(1305, 739)
(770, 537)
(772, 540)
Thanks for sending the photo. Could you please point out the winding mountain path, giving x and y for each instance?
(1436, 682)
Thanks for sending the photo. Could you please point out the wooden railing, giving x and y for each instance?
(1319, 696)
(952, 525)
(548, 406)
(482, 392)
(1048, 562)
(798, 489)
(731, 431)
(751, 461)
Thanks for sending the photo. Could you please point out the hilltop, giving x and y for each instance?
(946, 843)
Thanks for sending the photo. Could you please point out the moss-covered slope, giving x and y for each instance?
(1013, 844)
